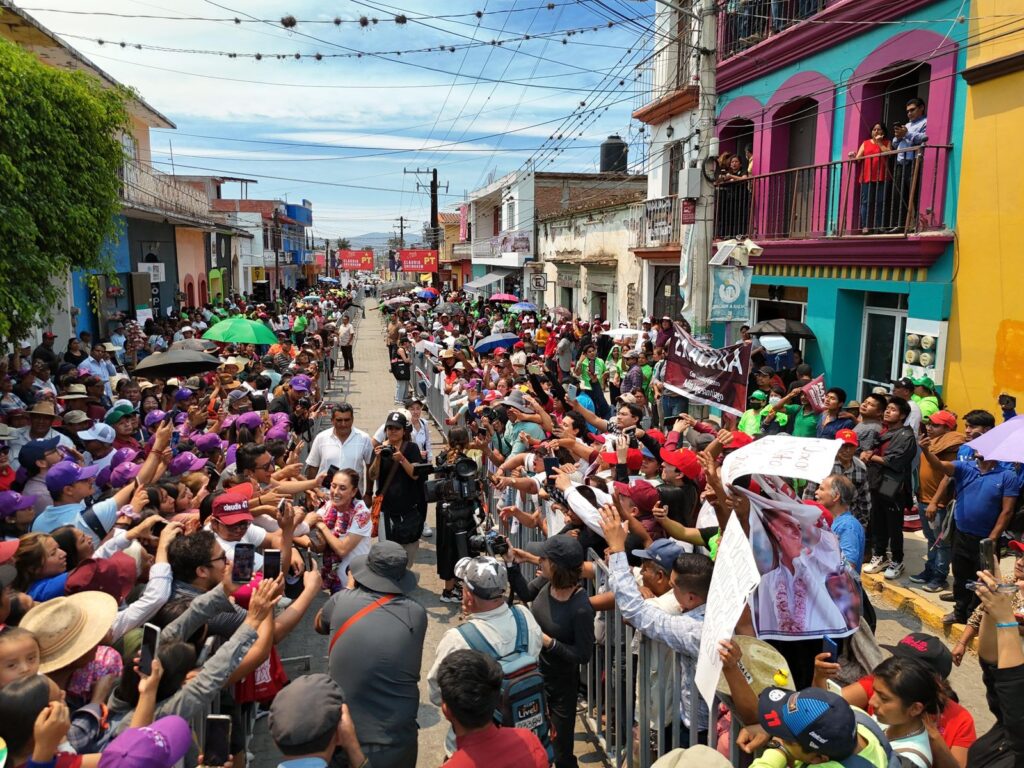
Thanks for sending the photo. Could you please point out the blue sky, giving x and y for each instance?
(361, 120)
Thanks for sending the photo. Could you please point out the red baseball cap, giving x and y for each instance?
(1016, 546)
(848, 436)
(232, 508)
(943, 419)
(739, 439)
(658, 435)
(634, 458)
(684, 460)
(641, 493)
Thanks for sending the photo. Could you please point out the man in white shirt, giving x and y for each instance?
(346, 337)
(341, 446)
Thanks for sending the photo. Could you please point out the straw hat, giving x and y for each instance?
(697, 756)
(69, 627)
(762, 665)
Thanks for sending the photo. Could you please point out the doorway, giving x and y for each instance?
(885, 323)
(666, 293)
(803, 126)
(599, 305)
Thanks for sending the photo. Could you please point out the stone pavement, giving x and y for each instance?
(371, 390)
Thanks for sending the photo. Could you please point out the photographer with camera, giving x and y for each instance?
(456, 489)
(402, 506)
(490, 618)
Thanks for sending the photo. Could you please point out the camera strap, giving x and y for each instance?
(394, 469)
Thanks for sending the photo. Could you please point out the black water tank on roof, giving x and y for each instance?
(614, 155)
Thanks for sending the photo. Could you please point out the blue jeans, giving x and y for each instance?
(873, 195)
(672, 406)
(401, 390)
(937, 564)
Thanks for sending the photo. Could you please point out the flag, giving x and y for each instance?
(814, 391)
(709, 375)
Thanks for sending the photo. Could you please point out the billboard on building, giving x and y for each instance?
(418, 260)
(356, 260)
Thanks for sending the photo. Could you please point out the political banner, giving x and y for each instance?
(709, 375)
(814, 390)
(356, 260)
(730, 294)
(418, 260)
(806, 588)
(735, 576)
(808, 458)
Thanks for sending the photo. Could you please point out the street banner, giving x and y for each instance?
(815, 392)
(418, 260)
(356, 260)
(807, 590)
(735, 576)
(709, 375)
(808, 458)
(730, 293)
(463, 222)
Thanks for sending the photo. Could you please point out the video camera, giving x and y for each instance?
(491, 542)
(455, 483)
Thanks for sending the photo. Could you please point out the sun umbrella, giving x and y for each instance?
(195, 345)
(1004, 442)
(331, 280)
(783, 327)
(178, 362)
(397, 300)
(494, 341)
(449, 308)
(425, 294)
(562, 312)
(503, 297)
(397, 285)
(311, 297)
(239, 330)
(523, 306)
(431, 289)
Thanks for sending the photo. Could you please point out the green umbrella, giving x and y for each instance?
(239, 330)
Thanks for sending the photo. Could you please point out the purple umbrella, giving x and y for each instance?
(1004, 442)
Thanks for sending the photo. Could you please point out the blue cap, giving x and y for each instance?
(34, 450)
(818, 720)
(663, 552)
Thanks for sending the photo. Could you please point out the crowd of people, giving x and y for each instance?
(165, 530)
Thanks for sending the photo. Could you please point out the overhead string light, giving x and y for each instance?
(564, 34)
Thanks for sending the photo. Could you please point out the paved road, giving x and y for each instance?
(370, 389)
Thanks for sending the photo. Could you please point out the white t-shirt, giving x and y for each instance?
(355, 453)
(255, 536)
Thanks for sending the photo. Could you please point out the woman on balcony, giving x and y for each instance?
(733, 199)
(874, 179)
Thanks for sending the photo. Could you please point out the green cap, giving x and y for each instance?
(925, 382)
(758, 395)
(114, 415)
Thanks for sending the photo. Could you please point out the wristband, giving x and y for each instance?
(1006, 625)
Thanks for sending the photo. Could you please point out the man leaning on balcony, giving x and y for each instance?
(913, 133)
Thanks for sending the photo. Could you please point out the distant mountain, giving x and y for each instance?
(369, 240)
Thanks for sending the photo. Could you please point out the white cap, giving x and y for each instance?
(104, 433)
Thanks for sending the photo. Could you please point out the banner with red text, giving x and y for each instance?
(708, 375)
(418, 260)
(356, 260)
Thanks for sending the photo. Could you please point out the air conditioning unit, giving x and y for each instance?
(689, 182)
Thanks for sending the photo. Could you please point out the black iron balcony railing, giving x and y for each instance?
(745, 23)
(898, 192)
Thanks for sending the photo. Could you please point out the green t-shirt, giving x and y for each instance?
(584, 369)
(804, 424)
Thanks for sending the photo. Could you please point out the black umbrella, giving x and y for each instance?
(178, 362)
(397, 285)
(783, 327)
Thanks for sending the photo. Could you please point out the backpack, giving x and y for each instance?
(522, 703)
(856, 761)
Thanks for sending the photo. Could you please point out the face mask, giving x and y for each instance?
(773, 399)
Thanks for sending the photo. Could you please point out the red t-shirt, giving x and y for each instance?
(956, 724)
(7, 478)
(495, 747)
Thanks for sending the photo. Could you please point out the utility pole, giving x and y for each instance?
(695, 259)
(435, 227)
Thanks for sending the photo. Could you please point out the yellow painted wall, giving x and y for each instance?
(985, 355)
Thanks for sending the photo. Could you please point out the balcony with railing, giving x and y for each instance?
(893, 196)
(663, 85)
(656, 223)
(150, 190)
(742, 24)
(458, 252)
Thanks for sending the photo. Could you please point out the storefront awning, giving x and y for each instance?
(480, 284)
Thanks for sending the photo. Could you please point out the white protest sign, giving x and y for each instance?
(735, 577)
(808, 458)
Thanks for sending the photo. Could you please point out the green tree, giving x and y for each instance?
(344, 244)
(60, 155)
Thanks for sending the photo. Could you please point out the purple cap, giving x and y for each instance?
(277, 432)
(228, 421)
(185, 462)
(183, 394)
(12, 502)
(153, 418)
(179, 418)
(251, 419)
(64, 473)
(159, 745)
(277, 418)
(209, 442)
(229, 455)
(124, 474)
(103, 478)
(301, 383)
(121, 455)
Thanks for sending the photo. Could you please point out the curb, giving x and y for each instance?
(910, 602)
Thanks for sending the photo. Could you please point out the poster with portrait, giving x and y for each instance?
(806, 591)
